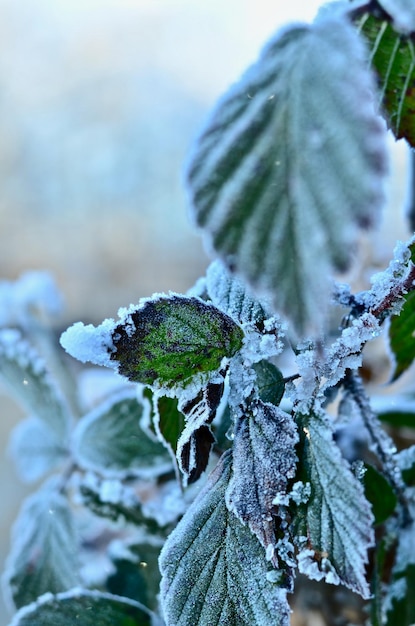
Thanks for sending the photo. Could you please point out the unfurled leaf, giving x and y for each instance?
(111, 440)
(401, 336)
(196, 440)
(24, 372)
(274, 172)
(392, 56)
(339, 518)
(270, 382)
(36, 449)
(86, 608)
(170, 339)
(213, 568)
(45, 548)
(264, 461)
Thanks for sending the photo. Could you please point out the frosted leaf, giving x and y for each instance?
(196, 439)
(339, 518)
(94, 607)
(213, 568)
(230, 294)
(44, 548)
(25, 373)
(398, 605)
(33, 297)
(36, 449)
(275, 168)
(90, 344)
(111, 441)
(164, 342)
(264, 461)
(402, 13)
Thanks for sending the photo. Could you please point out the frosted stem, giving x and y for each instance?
(382, 444)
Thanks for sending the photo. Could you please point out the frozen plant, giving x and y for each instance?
(243, 385)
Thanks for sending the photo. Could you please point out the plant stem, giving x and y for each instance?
(382, 444)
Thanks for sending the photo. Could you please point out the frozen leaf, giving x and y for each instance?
(87, 608)
(168, 420)
(264, 461)
(339, 518)
(24, 371)
(379, 493)
(213, 568)
(392, 56)
(32, 298)
(165, 341)
(44, 553)
(275, 169)
(110, 440)
(36, 449)
(401, 336)
(270, 382)
(231, 296)
(114, 501)
(196, 440)
(400, 601)
(402, 13)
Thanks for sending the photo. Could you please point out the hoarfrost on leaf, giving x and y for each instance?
(90, 344)
(213, 568)
(110, 439)
(31, 299)
(25, 373)
(403, 14)
(339, 518)
(44, 553)
(275, 167)
(264, 461)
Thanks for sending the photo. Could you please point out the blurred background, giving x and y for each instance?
(99, 103)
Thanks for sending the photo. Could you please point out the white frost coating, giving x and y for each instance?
(90, 343)
(402, 13)
(33, 296)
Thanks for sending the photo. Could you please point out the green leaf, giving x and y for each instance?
(110, 440)
(270, 382)
(214, 569)
(402, 337)
(36, 449)
(168, 420)
(392, 56)
(44, 548)
(400, 599)
(379, 493)
(137, 575)
(25, 373)
(293, 149)
(264, 460)
(339, 518)
(86, 608)
(170, 339)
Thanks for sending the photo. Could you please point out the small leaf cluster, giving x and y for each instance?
(235, 446)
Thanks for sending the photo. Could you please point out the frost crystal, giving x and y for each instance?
(90, 343)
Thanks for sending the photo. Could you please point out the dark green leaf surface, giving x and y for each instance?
(274, 173)
(270, 382)
(111, 440)
(45, 548)
(86, 608)
(400, 597)
(393, 58)
(379, 493)
(402, 337)
(214, 571)
(170, 339)
(339, 518)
